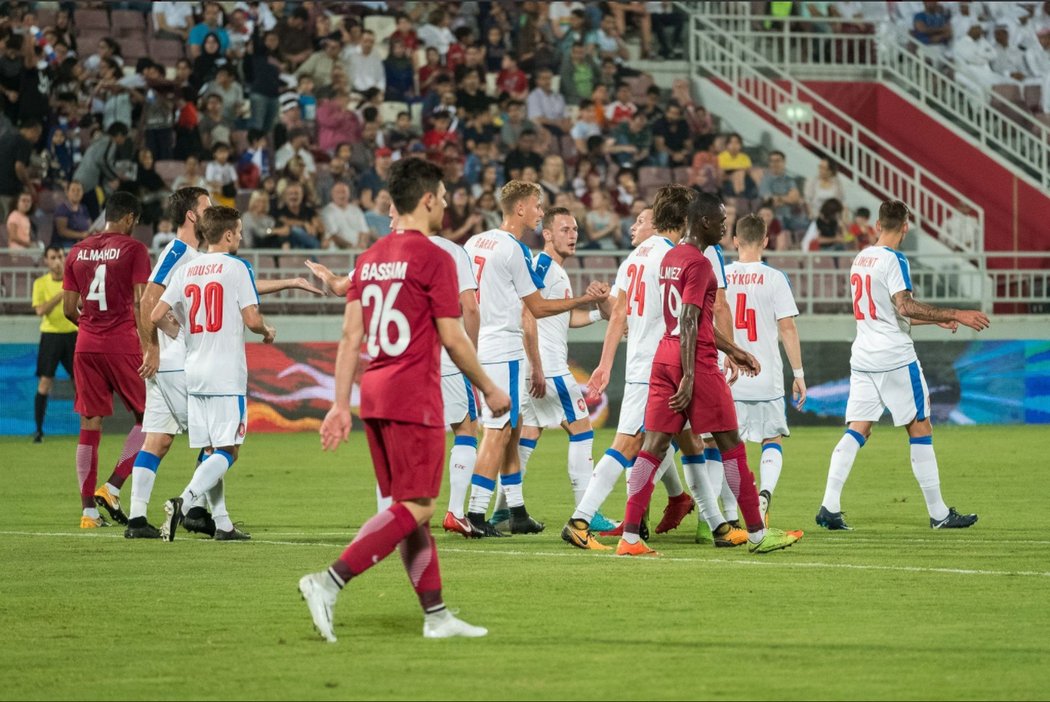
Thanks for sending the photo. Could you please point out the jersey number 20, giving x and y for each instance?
(861, 286)
(212, 298)
(383, 316)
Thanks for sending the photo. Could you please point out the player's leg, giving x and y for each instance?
(644, 475)
(530, 437)
(908, 399)
(143, 475)
(570, 410)
(769, 424)
(43, 391)
(53, 349)
(770, 466)
(499, 434)
(613, 463)
(94, 400)
(713, 455)
(712, 526)
(461, 414)
(511, 478)
(679, 502)
(123, 371)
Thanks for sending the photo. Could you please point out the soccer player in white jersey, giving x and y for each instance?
(639, 309)
(885, 372)
(554, 397)
(217, 297)
(506, 282)
(764, 310)
(166, 397)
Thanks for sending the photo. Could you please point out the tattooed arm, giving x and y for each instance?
(911, 308)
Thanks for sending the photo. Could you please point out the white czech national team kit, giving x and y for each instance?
(166, 403)
(211, 292)
(639, 279)
(503, 266)
(759, 296)
(885, 372)
(456, 391)
(563, 400)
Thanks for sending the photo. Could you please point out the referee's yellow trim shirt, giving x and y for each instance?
(44, 288)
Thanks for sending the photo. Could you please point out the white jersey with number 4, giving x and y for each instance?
(553, 331)
(212, 291)
(883, 340)
(639, 279)
(503, 266)
(175, 255)
(759, 296)
(464, 281)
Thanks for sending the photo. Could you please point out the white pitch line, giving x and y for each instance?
(758, 561)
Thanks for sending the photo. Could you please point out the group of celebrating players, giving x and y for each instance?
(478, 334)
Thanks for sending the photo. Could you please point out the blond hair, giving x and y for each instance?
(514, 192)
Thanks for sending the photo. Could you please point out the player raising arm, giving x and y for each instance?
(404, 293)
(885, 372)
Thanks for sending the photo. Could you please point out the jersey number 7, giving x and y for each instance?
(861, 286)
(479, 261)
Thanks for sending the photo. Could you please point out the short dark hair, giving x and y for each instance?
(551, 213)
(734, 135)
(892, 215)
(217, 220)
(182, 201)
(53, 247)
(117, 129)
(705, 205)
(671, 206)
(121, 204)
(410, 179)
(30, 123)
(751, 230)
(777, 152)
(863, 212)
(255, 135)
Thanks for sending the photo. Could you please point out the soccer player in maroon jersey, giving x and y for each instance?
(104, 279)
(404, 293)
(686, 384)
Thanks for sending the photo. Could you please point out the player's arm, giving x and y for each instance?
(746, 362)
(468, 305)
(254, 320)
(147, 304)
(537, 383)
(338, 284)
(45, 308)
(268, 287)
(541, 307)
(687, 329)
(147, 334)
(71, 305)
(336, 425)
(613, 333)
(908, 306)
(462, 353)
(723, 319)
(793, 349)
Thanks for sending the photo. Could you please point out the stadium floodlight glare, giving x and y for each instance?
(795, 112)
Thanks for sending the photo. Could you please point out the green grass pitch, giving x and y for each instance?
(891, 610)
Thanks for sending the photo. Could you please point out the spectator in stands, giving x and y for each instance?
(778, 239)
(474, 60)
(400, 76)
(336, 122)
(405, 32)
(298, 144)
(600, 98)
(239, 31)
(471, 97)
(511, 79)
(1009, 61)
(72, 220)
(667, 19)
(523, 155)
(705, 175)
(213, 125)
(221, 175)
(828, 231)
(149, 188)
(579, 74)
(231, 92)
(305, 229)
(552, 177)
(431, 71)
(547, 108)
(344, 222)
(461, 220)
(1038, 59)
(932, 26)
(21, 233)
(603, 224)
(295, 172)
(295, 36)
(440, 133)
(573, 29)
(625, 192)
(375, 178)
(607, 42)
(861, 234)
(436, 32)
(158, 121)
(781, 191)
(671, 139)
(489, 176)
(973, 56)
(191, 175)
(263, 72)
(172, 20)
(337, 172)
(495, 49)
(378, 216)
(736, 167)
(163, 234)
(622, 108)
(321, 62)
(259, 227)
(108, 49)
(488, 208)
(514, 124)
(824, 186)
(98, 168)
(307, 99)
(399, 136)
(640, 11)
(209, 25)
(700, 121)
(364, 67)
(16, 151)
(631, 142)
(256, 155)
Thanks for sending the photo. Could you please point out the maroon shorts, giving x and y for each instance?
(712, 409)
(99, 375)
(409, 459)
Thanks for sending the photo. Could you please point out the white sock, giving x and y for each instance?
(461, 462)
(143, 475)
(841, 463)
(113, 490)
(669, 475)
(771, 465)
(217, 501)
(606, 473)
(697, 477)
(207, 475)
(714, 466)
(581, 464)
(383, 503)
(511, 489)
(924, 466)
(756, 537)
(525, 449)
(480, 493)
(91, 512)
(501, 497)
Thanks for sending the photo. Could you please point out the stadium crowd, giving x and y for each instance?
(295, 111)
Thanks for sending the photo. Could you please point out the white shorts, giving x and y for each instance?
(563, 402)
(902, 391)
(217, 420)
(458, 396)
(166, 404)
(508, 376)
(761, 420)
(632, 408)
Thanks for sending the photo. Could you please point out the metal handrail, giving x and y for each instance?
(871, 161)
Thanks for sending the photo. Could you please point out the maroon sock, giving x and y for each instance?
(377, 539)
(132, 446)
(419, 554)
(742, 483)
(87, 466)
(639, 491)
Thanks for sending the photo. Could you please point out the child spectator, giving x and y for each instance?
(440, 132)
(621, 109)
(307, 100)
(221, 176)
(586, 126)
(511, 79)
(191, 175)
(603, 224)
(21, 232)
(400, 78)
(861, 233)
(495, 48)
(163, 234)
(405, 33)
(402, 133)
(778, 239)
(430, 71)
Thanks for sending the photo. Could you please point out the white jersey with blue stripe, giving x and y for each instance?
(554, 330)
(211, 292)
(465, 280)
(714, 255)
(883, 340)
(639, 279)
(174, 256)
(503, 266)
